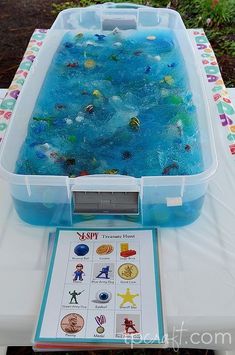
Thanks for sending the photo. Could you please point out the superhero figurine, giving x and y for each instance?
(78, 273)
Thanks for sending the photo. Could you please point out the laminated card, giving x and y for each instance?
(102, 290)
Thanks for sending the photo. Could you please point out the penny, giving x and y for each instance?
(128, 271)
(72, 323)
(104, 249)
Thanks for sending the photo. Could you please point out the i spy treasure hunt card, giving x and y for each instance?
(103, 288)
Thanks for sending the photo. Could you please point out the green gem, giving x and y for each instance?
(185, 118)
(72, 139)
(175, 100)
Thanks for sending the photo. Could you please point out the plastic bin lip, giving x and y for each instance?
(110, 6)
(60, 180)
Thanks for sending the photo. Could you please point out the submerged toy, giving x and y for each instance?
(168, 80)
(151, 38)
(100, 37)
(72, 65)
(167, 170)
(126, 155)
(147, 69)
(134, 123)
(97, 93)
(89, 64)
(89, 109)
(111, 171)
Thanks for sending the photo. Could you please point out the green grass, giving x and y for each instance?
(217, 17)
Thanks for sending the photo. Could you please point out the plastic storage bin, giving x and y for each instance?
(166, 201)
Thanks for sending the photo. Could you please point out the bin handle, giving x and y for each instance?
(124, 5)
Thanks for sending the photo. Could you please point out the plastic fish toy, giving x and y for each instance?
(72, 65)
(89, 64)
(100, 37)
(167, 170)
(111, 171)
(134, 123)
(89, 109)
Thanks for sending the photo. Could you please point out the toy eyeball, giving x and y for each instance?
(103, 296)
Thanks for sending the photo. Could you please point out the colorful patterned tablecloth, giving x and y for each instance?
(7, 105)
(226, 112)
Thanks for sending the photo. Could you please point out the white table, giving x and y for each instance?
(197, 266)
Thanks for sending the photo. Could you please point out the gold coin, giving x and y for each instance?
(104, 249)
(72, 323)
(90, 64)
(128, 271)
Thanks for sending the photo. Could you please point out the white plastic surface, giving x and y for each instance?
(197, 268)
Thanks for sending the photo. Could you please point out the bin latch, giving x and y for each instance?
(105, 202)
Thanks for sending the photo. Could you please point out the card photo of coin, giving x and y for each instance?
(72, 323)
(104, 249)
(128, 271)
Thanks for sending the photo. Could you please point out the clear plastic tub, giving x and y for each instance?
(166, 201)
